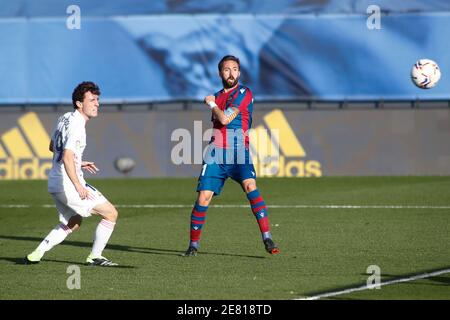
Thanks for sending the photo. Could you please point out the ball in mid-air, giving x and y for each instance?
(425, 73)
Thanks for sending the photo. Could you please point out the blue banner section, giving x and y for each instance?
(171, 57)
(105, 8)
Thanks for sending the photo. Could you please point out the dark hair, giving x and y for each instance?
(228, 58)
(81, 89)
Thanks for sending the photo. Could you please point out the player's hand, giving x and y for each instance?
(89, 166)
(83, 192)
(209, 99)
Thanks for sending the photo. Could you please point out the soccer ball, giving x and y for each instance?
(124, 164)
(425, 73)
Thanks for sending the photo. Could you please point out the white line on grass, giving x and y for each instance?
(365, 287)
(293, 206)
(14, 206)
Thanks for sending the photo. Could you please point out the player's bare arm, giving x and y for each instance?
(68, 159)
(219, 114)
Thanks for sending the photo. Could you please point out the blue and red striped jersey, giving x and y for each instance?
(241, 98)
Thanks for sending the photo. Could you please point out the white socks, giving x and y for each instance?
(61, 231)
(56, 236)
(102, 235)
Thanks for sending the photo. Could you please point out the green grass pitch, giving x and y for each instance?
(323, 249)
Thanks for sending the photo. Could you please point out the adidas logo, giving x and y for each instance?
(24, 150)
(281, 154)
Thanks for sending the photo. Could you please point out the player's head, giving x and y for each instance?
(229, 71)
(85, 98)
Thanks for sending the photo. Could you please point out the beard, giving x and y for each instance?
(230, 82)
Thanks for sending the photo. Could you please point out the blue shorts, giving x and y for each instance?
(215, 173)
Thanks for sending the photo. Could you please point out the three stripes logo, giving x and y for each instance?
(24, 150)
(280, 154)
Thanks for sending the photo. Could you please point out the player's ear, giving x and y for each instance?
(79, 104)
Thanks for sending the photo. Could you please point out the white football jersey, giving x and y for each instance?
(69, 133)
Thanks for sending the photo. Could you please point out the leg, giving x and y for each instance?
(258, 206)
(198, 217)
(259, 209)
(210, 183)
(103, 232)
(204, 197)
(70, 221)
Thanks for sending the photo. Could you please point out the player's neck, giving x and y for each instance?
(85, 117)
(230, 89)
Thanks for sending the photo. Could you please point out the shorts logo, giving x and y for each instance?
(281, 154)
(24, 150)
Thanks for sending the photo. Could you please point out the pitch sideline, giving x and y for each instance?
(366, 287)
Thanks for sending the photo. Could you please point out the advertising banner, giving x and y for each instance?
(283, 143)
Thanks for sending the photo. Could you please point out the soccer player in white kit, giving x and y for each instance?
(74, 198)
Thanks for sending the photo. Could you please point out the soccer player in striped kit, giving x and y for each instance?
(228, 154)
(74, 198)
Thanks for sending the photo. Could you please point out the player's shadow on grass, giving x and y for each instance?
(21, 261)
(118, 247)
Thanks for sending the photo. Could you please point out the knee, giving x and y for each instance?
(113, 214)
(109, 213)
(249, 187)
(204, 198)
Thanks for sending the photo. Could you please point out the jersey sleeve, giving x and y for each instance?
(71, 137)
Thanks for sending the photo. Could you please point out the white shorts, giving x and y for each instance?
(69, 203)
